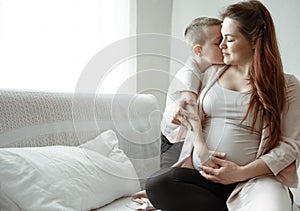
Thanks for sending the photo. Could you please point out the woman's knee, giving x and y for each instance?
(158, 186)
(165, 180)
(266, 193)
(159, 182)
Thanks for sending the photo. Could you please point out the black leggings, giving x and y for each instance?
(181, 189)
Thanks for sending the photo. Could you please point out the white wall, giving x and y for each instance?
(154, 17)
(285, 14)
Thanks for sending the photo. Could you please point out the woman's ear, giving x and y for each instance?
(253, 45)
(197, 50)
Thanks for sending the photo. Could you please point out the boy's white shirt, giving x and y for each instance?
(188, 78)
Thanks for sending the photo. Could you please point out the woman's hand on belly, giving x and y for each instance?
(208, 162)
(227, 173)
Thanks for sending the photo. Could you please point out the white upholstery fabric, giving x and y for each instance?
(29, 118)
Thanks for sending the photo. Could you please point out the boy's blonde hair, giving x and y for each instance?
(194, 32)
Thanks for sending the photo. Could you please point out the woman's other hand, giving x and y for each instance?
(227, 173)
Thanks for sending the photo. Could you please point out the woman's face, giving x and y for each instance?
(236, 49)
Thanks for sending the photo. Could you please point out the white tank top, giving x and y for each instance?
(224, 130)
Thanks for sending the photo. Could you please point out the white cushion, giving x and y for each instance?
(106, 144)
(65, 178)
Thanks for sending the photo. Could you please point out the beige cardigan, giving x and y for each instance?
(282, 160)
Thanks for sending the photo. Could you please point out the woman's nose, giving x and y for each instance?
(222, 45)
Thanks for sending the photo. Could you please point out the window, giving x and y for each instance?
(46, 44)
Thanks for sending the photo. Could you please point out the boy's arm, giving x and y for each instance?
(188, 79)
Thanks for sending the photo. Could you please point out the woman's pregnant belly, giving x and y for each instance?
(229, 136)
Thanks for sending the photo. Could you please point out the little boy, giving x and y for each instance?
(203, 35)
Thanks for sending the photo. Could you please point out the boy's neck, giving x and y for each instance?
(202, 63)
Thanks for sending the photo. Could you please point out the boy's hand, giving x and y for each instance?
(179, 114)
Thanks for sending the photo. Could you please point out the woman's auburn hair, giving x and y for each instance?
(268, 94)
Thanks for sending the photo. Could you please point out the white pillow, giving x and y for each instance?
(65, 178)
(103, 143)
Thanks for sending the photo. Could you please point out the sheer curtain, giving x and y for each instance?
(45, 44)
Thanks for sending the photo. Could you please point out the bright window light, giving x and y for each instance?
(46, 44)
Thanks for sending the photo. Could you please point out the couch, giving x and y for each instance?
(64, 139)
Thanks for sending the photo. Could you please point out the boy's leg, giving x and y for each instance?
(169, 152)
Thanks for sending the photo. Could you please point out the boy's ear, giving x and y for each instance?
(197, 50)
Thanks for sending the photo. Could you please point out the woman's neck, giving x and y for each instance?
(236, 78)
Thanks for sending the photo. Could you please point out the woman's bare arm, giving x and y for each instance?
(196, 133)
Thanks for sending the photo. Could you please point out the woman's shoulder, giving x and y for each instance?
(213, 71)
(291, 81)
(292, 90)
(216, 69)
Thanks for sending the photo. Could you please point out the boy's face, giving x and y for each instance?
(211, 50)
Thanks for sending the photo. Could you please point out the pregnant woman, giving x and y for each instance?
(251, 111)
